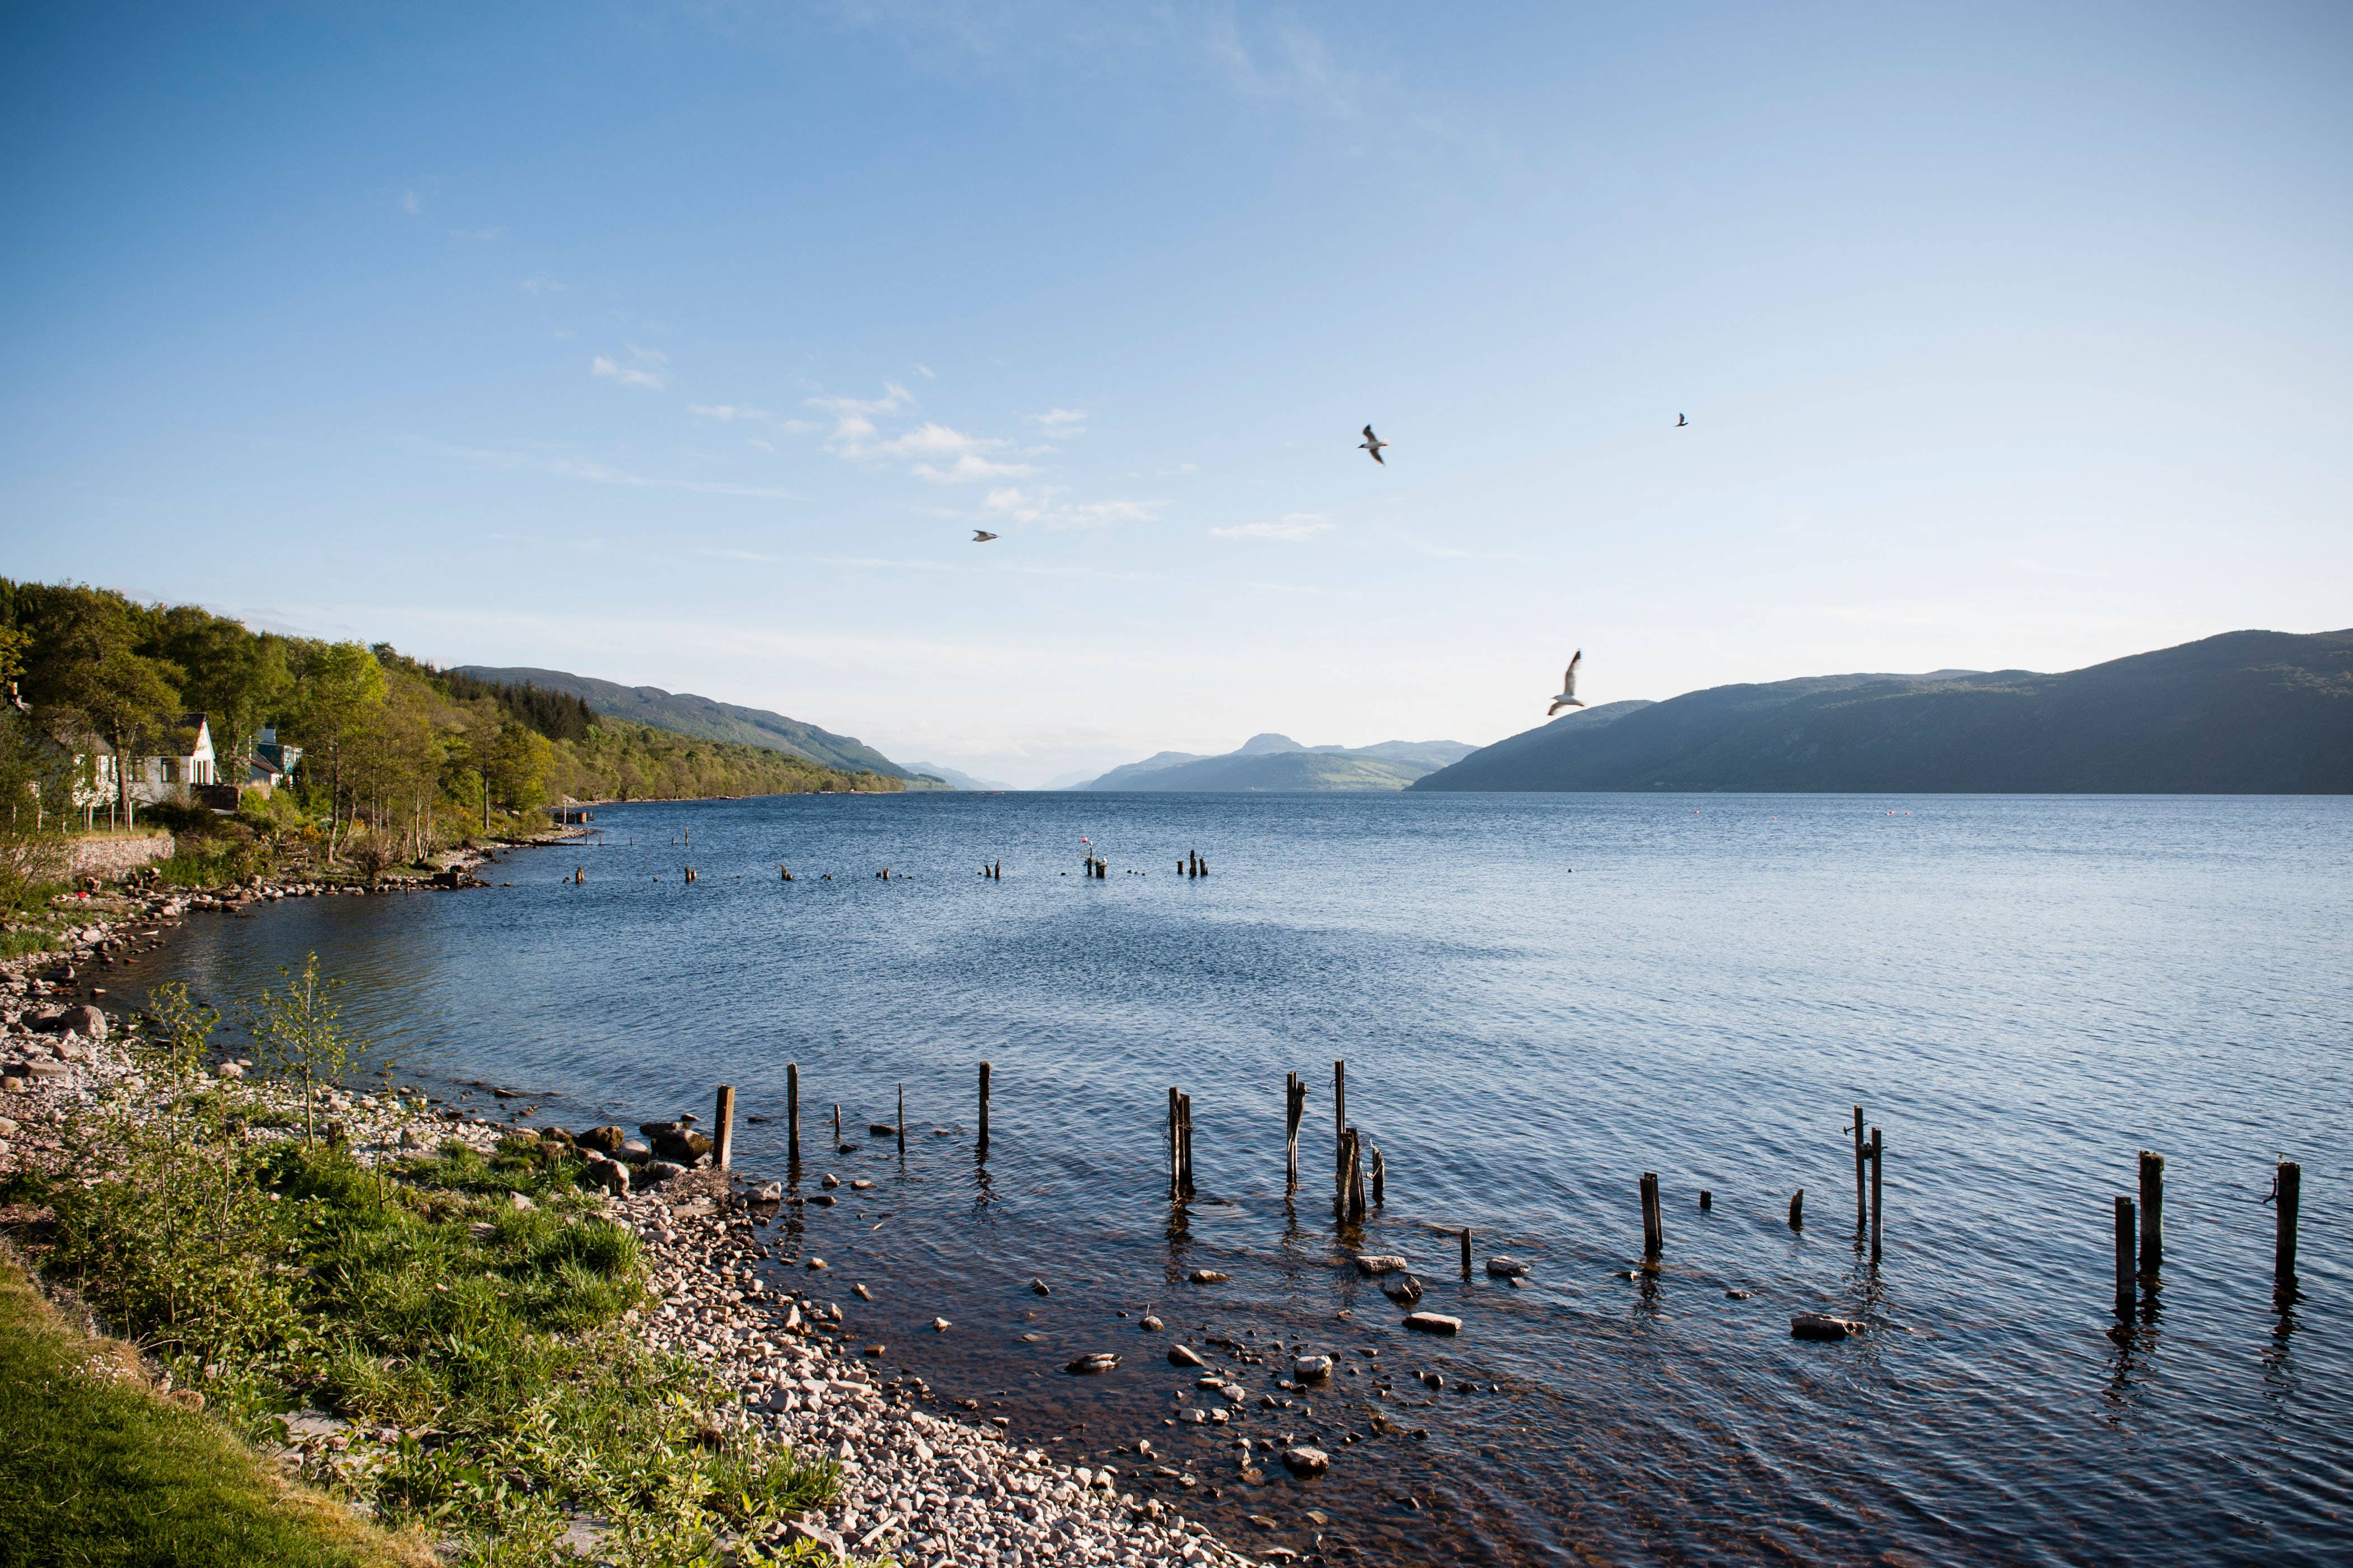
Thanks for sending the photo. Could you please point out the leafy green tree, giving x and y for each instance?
(237, 677)
(339, 699)
(300, 1033)
(84, 667)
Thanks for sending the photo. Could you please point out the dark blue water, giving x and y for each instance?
(1538, 999)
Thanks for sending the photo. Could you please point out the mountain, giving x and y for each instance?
(2242, 713)
(952, 777)
(700, 716)
(1271, 763)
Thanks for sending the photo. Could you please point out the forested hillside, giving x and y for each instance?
(2245, 712)
(396, 755)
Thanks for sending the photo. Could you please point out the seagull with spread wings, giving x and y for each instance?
(1373, 444)
(981, 536)
(1567, 698)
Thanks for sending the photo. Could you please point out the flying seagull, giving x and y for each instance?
(981, 536)
(1567, 698)
(1680, 421)
(1373, 444)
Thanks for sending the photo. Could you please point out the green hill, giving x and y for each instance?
(688, 714)
(2242, 713)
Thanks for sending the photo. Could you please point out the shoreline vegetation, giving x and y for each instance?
(407, 1334)
(325, 759)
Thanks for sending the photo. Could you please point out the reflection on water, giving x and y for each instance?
(1538, 1000)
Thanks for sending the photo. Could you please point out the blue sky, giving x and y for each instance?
(685, 345)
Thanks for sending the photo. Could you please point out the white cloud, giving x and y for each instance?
(1044, 504)
(726, 413)
(1297, 525)
(411, 203)
(1062, 421)
(626, 374)
(651, 356)
(969, 467)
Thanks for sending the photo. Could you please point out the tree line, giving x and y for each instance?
(397, 756)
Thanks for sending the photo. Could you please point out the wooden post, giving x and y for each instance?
(722, 1129)
(837, 1124)
(2288, 1193)
(2152, 1214)
(793, 1114)
(1185, 1125)
(1466, 1252)
(2127, 1249)
(1655, 1234)
(1339, 1111)
(1352, 1184)
(902, 1119)
(1862, 1211)
(1175, 1178)
(1293, 1101)
(1380, 1177)
(1798, 1209)
(984, 1108)
(1878, 1169)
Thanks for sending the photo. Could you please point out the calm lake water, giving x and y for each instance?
(1539, 998)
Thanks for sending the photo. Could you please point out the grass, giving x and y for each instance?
(96, 1470)
(480, 1346)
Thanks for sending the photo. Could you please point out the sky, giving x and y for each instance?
(686, 345)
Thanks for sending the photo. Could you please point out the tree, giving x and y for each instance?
(301, 1035)
(36, 792)
(237, 676)
(83, 665)
(340, 691)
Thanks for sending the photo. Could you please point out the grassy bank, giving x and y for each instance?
(97, 1468)
(444, 1337)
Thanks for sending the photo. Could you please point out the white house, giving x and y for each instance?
(188, 760)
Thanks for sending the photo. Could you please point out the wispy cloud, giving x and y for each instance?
(595, 473)
(1044, 504)
(726, 413)
(1294, 526)
(411, 203)
(1293, 66)
(626, 374)
(1062, 421)
(750, 555)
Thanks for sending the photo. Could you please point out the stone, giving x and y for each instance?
(876, 1130)
(860, 1184)
(1095, 1362)
(679, 1148)
(604, 1139)
(609, 1174)
(818, 1535)
(85, 1020)
(818, 1263)
(1506, 1267)
(1185, 1355)
(1405, 1291)
(765, 1192)
(1434, 1380)
(829, 1180)
(1307, 1368)
(519, 1203)
(1305, 1461)
(1151, 1325)
(863, 1293)
(1040, 1287)
(1206, 1277)
(228, 1071)
(1433, 1322)
(660, 1171)
(1377, 1263)
(1822, 1326)
(1738, 1294)
(942, 1324)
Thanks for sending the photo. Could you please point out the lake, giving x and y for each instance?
(1539, 998)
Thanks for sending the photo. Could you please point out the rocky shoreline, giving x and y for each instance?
(922, 1485)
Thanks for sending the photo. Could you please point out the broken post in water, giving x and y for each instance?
(983, 1109)
(2152, 1214)
(1878, 1168)
(902, 1119)
(1380, 1177)
(1862, 1208)
(1466, 1252)
(1654, 1233)
(1176, 1175)
(793, 1115)
(1798, 1209)
(1295, 1103)
(837, 1124)
(722, 1128)
(2287, 1192)
(2128, 1247)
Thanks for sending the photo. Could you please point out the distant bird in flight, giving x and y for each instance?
(1567, 698)
(1373, 444)
(981, 536)
(1680, 421)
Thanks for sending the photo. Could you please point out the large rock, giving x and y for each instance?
(680, 1147)
(1311, 1366)
(1374, 1263)
(1433, 1322)
(659, 1172)
(85, 1020)
(1822, 1326)
(1506, 1268)
(1185, 1355)
(1305, 1461)
(604, 1139)
(1099, 1361)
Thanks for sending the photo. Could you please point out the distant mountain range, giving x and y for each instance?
(2242, 713)
(952, 777)
(1271, 763)
(690, 715)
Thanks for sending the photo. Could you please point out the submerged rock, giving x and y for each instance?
(1822, 1326)
(1310, 1367)
(1377, 1263)
(1185, 1355)
(1433, 1322)
(1098, 1361)
(1305, 1461)
(1506, 1267)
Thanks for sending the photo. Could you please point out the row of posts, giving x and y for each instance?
(1192, 865)
(2139, 1225)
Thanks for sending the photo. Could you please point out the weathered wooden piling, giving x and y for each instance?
(2287, 1192)
(1352, 1180)
(2152, 1214)
(1295, 1105)
(1466, 1252)
(837, 1124)
(579, 876)
(984, 1108)
(902, 1119)
(722, 1129)
(1862, 1209)
(1339, 1112)
(1798, 1209)
(1707, 1199)
(2127, 1254)
(1654, 1233)
(1878, 1168)
(793, 1114)
(1176, 1149)
(1380, 1177)
(785, 871)
(689, 873)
